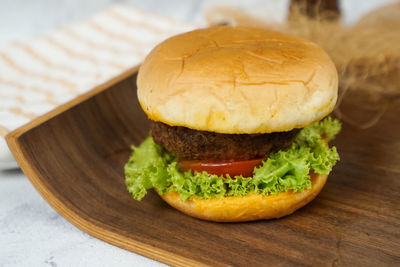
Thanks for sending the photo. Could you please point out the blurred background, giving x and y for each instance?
(24, 18)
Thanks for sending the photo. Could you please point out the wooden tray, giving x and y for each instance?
(74, 156)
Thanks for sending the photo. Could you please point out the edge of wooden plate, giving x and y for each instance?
(83, 222)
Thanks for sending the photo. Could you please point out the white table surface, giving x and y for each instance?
(31, 232)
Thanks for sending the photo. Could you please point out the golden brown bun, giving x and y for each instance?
(248, 208)
(237, 80)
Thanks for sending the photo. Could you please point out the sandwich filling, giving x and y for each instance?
(286, 160)
(189, 144)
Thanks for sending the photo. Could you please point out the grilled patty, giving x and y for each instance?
(188, 144)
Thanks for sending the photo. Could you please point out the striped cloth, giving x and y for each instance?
(38, 75)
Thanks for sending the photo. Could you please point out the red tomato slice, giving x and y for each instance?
(222, 167)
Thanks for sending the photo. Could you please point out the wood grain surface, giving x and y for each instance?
(74, 156)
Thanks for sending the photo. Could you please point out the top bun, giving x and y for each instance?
(237, 80)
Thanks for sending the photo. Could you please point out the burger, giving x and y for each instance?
(238, 123)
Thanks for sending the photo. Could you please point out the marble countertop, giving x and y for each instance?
(32, 233)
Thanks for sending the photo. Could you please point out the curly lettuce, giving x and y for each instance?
(151, 166)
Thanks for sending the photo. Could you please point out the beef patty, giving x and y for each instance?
(188, 144)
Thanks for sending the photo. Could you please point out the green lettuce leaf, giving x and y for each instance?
(151, 166)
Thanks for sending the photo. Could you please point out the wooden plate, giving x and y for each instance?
(74, 156)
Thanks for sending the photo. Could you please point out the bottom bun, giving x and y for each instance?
(247, 208)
